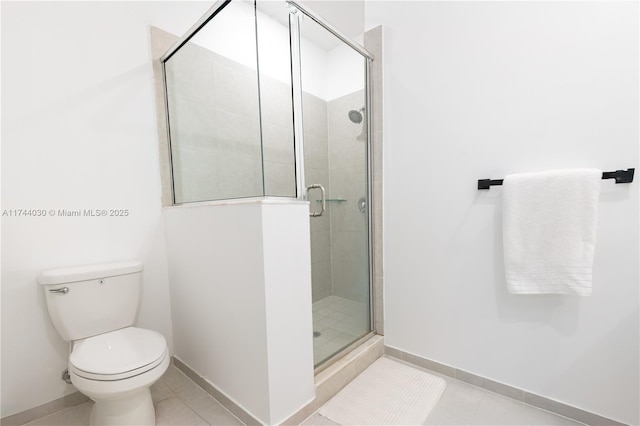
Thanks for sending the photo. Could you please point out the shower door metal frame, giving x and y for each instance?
(296, 84)
(296, 65)
(204, 19)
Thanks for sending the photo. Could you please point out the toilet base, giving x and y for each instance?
(125, 402)
(136, 409)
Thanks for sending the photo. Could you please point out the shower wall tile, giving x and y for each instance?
(377, 206)
(321, 278)
(190, 74)
(235, 89)
(316, 154)
(279, 160)
(376, 154)
(345, 215)
(320, 247)
(278, 144)
(347, 162)
(248, 173)
(314, 115)
(235, 134)
(215, 137)
(378, 311)
(277, 137)
(214, 110)
(373, 42)
(351, 246)
(321, 223)
(191, 124)
(378, 264)
(347, 145)
(275, 99)
(349, 281)
(349, 184)
(201, 171)
(278, 181)
(318, 175)
(349, 178)
(347, 152)
(316, 157)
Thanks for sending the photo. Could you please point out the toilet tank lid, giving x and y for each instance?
(89, 272)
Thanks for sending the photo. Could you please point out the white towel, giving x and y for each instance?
(549, 231)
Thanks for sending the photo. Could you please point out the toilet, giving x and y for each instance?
(113, 363)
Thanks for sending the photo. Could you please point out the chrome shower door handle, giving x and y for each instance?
(323, 200)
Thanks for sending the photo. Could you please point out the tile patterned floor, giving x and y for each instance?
(464, 404)
(340, 322)
(179, 401)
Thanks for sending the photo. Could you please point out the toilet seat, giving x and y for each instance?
(118, 355)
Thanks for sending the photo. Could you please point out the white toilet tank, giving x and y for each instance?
(88, 300)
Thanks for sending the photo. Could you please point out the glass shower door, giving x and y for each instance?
(335, 157)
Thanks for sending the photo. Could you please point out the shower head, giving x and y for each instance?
(356, 116)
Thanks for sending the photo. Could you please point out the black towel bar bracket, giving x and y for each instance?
(621, 176)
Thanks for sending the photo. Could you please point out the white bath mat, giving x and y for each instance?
(386, 393)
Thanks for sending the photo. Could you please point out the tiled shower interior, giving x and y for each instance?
(339, 250)
(337, 322)
(214, 107)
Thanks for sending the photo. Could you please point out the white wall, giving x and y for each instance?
(287, 268)
(78, 132)
(241, 301)
(481, 89)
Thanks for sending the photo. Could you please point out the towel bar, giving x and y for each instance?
(621, 176)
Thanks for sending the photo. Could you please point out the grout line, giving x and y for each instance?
(191, 408)
(207, 394)
(194, 411)
(475, 410)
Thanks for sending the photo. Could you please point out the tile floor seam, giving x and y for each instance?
(168, 396)
(487, 392)
(192, 409)
(477, 404)
(209, 395)
(225, 409)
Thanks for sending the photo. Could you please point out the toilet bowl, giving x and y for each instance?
(116, 370)
(111, 362)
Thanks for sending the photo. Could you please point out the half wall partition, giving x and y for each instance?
(268, 100)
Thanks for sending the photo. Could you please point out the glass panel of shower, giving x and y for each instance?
(230, 114)
(335, 118)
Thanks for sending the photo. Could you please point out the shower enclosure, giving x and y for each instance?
(267, 99)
